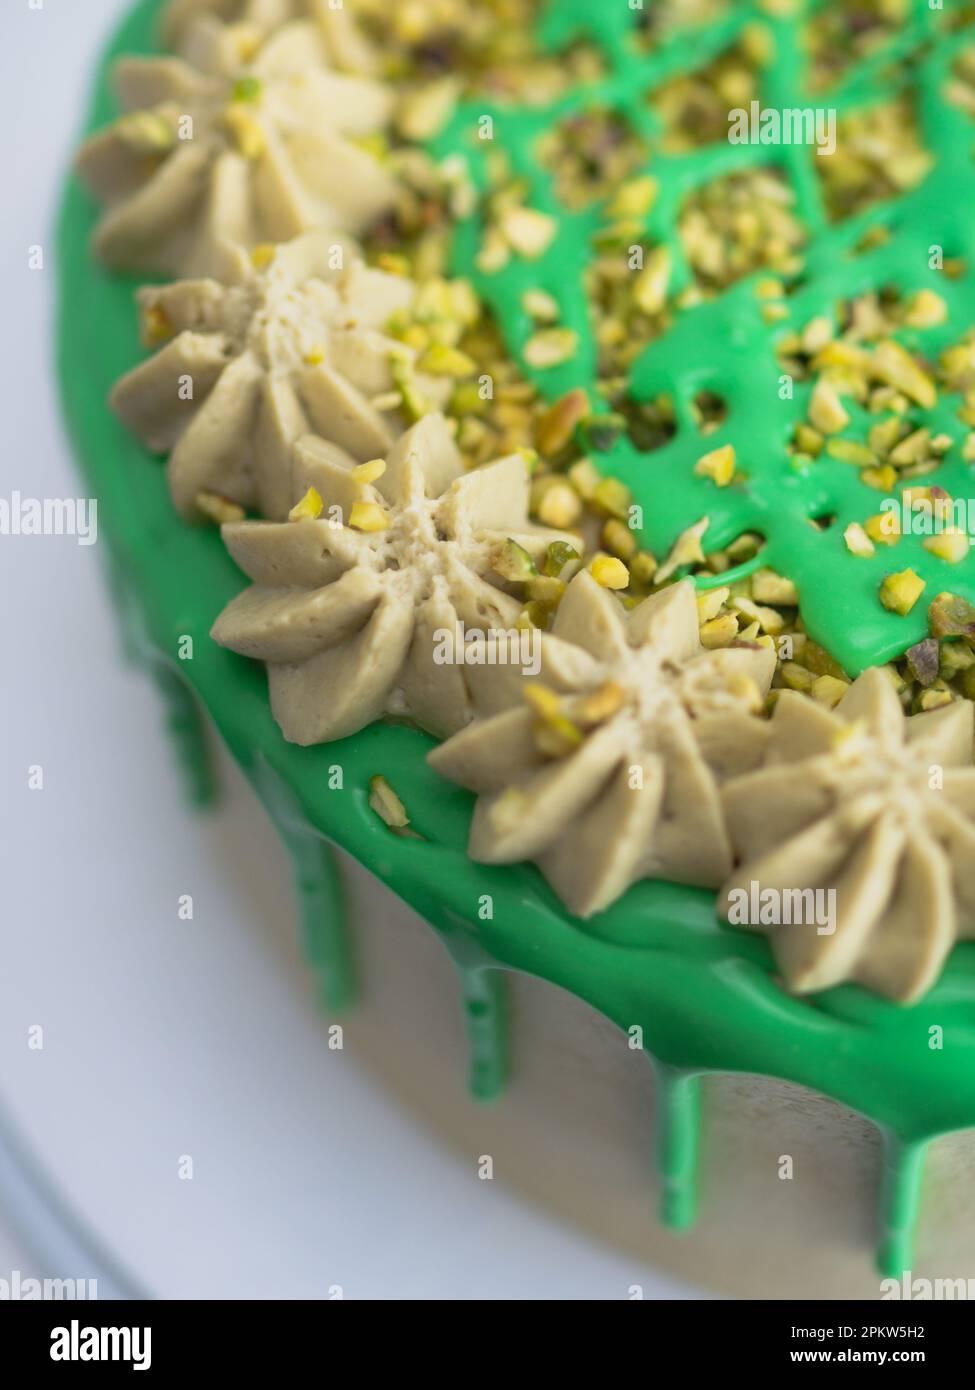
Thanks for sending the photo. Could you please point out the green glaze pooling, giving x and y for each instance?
(724, 345)
(705, 996)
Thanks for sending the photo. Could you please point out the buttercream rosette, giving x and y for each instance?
(189, 24)
(235, 145)
(357, 611)
(876, 805)
(296, 347)
(607, 770)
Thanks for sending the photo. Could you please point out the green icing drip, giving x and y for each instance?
(724, 345)
(705, 996)
(318, 885)
(678, 1104)
(900, 1193)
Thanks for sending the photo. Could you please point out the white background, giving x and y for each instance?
(164, 1038)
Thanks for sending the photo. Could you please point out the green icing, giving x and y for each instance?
(705, 996)
(724, 345)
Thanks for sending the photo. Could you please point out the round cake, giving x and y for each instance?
(548, 462)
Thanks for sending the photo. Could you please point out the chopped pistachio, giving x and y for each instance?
(248, 88)
(950, 546)
(828, 690)
(884, 528)
(883, 479)
(911, 449)
(609, 571)
(527, 231)
(826, 411)
(894, 365)
(543, 588)
(247, 131)
(600, 705)
(924, 660)
(585, 477)
(559, 505)
(556, 427)
(218, 508)
(808, 440)
(514, 563)
(440, 360)
(309, 506)
(365, 473)
(618, 539)
(769, 587)
(263, 254)
(850, 451)
(651, 283)
(540, 305)
(386, 804)
(368, 516)
(155, 327)
(796, 677)
(949, 615)
(718, 465)
(899, 592)
(643, 567)
(857, 540)
(425, 111)
(603, 431)
(145, 132)
(925, 309)
(634, 197)
(710, 603)
(612, 495)
(558, 555)
(719, 632)
(550, 347)
(686, 550)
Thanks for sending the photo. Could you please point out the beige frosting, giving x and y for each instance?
(252, 171)
(293, 349)
(878, 806)
(188, 24)
(347, 620)
(638, 795)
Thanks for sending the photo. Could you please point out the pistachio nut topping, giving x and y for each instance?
(295, 347)
(615, 777)
(877, 805)
(214, 157)
(357, 611)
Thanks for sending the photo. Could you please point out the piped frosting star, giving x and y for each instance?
(239, 144)
(355, 603)
(608, 773)
(296, 347)
(879, 807)
(191, 26)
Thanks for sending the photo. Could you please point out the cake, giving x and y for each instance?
(570, 409)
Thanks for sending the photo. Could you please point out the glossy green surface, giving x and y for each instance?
(724, 345)
(704, 995)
